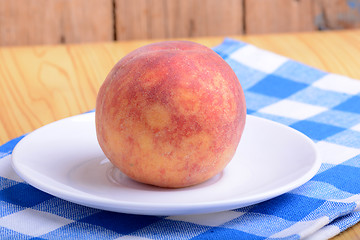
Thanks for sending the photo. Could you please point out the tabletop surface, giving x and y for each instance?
(41, 84)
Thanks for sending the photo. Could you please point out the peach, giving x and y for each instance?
(170, 114)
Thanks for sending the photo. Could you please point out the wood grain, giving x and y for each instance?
(37, 22)
(150, 19)
(352, 233)
(87, 20)
(300, 15)
(31, 22)
(336, 14)
(23, 22)
(41, 84)
(278, 16)
(204, 18)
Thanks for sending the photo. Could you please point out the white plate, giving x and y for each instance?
(65, 160)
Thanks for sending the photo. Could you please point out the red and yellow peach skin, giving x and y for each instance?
(170, 114)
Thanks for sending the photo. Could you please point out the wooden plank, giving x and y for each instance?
(336, 14)
(149, 19)
(278, 16)
(22, 22)
(140, 19)
(204, 18)
(225, 18)
(87, 20)
(300, 15)
(29, 22)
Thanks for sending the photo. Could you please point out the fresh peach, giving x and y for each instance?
(170, 114)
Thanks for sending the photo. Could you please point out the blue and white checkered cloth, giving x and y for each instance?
(324, 106)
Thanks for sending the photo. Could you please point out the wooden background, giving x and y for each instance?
(34, 22)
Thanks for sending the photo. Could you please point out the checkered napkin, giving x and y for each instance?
(325, 107)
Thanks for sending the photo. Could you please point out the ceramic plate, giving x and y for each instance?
(65, 160)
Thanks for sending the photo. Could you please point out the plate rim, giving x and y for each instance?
(165, 208)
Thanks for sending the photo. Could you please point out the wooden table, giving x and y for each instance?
(41, 84)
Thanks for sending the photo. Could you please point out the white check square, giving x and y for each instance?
(258, 59)
(292, 109)
(335, 154)
(302, 225)
(356, 127)
(32, 222)
(338, 83)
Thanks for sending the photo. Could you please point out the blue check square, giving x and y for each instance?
(247, 76)
(276, 118)
(337, 118)
(277, 86)
(345, 178)
(351, 105)
(319, 97)
(255, 101)
(353, 162)
(316, 131)
(250, 111)
(130, 223)
(23, 195)
(348, 138)
(280, 206)
(299, 72)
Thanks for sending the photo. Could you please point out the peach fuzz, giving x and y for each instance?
(170, 114)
